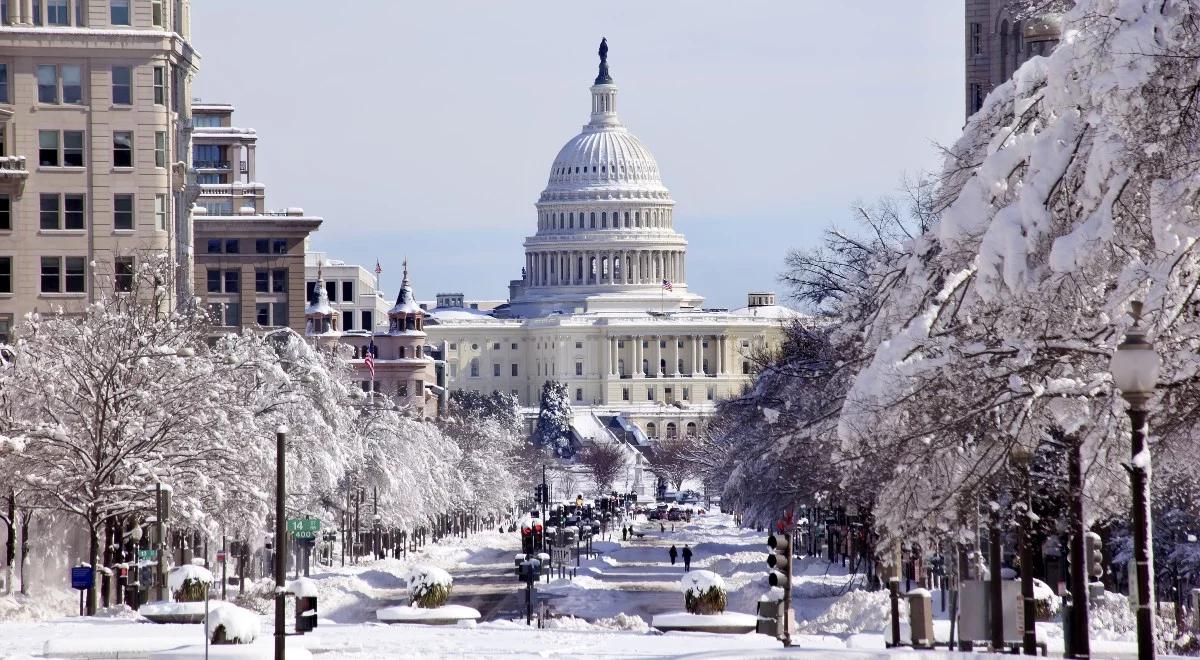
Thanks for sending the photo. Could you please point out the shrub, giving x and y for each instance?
(703, 592)
(189, 583)
(428, 586)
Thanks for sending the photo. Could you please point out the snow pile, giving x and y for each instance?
(1110, 617)
(621, 621)
(443, 614)
(303, 588)
(855, 612)
(238, 625)
(182, 574)
(698, 582)
(48, 603)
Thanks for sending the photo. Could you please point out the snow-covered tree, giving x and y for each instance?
(553, 429)
(603, 462)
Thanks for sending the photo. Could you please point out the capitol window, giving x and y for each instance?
(514, 347)
(593, 221)
(624, 393)
(474, 367)
(578, 368)
(496, 370)
(453, 346)
(474, 347)
(496, 346)
(579, 394)
(578, 344)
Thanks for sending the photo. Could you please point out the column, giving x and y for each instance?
(612, 356)
(658, 355)
(675, 371)
(636, 369)
(682, 268)
(250, 168)
(612, 270)
(695, 354)
(724, 368)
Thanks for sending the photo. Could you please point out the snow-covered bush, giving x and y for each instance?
(229, 624)
(189, 583)
(1046, 603)
(703, 592)
(428, 586)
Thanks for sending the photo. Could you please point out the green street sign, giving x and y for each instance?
(147, 555)
(303, 528)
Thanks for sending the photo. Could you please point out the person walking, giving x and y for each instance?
(624, 533)
(662, 528)
(687, 558)
(674, 553)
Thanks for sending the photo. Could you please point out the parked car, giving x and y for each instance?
(674, 515)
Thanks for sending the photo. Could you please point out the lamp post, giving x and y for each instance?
(1021, 457)
(1135, 366)
(280, 531)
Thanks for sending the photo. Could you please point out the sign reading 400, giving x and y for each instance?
(303, 528)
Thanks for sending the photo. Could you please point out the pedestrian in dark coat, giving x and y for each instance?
(674, 553)
(687, 558)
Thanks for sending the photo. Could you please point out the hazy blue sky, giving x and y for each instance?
(427, 129)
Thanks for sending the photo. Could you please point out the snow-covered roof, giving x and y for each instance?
(405, 302)
(320, 304)
(767, 312)
(448, 313)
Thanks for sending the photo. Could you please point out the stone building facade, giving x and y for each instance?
(94, 126)
(999, 37)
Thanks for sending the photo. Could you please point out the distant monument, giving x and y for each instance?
(603, 78)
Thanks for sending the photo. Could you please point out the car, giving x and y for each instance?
(674, 515)
(655, 515)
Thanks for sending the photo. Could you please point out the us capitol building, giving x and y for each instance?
(603, 305)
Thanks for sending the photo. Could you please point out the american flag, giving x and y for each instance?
(667, 285)
(369, 359)
(378, 268)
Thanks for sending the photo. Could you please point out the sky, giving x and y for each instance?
(426, 130)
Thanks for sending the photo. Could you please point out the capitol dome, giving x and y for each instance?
(605, 156)
(606, 239)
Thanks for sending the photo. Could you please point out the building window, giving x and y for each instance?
(270, 313)
(279, 280)
(262, 281)
(48, 145)
(976, 38)
(453, 346)
(61, 211)
(454, 370)
(745, 367)
(496, 346)
(496, 370)
(474, 367)
(348, 291)
(686, 394)
(579, 394)
(156, 12)
(122, 149)
(263, 246)
(578, 344)
(712, 393)
(331, 291)
(160, 85)
(119, 12)
(160, 212)
(976, 97)
(123, 211)
(578, 368)
(123, 274)
(514, 369)
(368, 320)
(4, 81)
(122, 85)
(223, 281)
(649, 393)
(57, 12)
(47, 82)
(6, 329)
(72, 83)
(37, 12)
(279, 246)
(6, 274)
(5, 213)
(160, 148)
(63, 275)
(514, 347)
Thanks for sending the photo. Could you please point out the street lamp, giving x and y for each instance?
(1135, 366)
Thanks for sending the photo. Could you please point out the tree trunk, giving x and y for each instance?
(10, 548)
(94, 544)
(26, 516)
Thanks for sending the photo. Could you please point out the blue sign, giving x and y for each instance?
(81, 577)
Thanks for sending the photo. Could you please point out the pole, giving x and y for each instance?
(787, 591)
(160, 586)
(995, 586)
(1079, 596)
(280, 437)
(1139, 482)
(224, 571)
(1030, 634)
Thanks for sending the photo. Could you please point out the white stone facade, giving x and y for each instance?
(602, 304)
(351, 291)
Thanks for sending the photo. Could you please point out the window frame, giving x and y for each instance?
(123, 277)
(160, 149)
(113, 5)
(123, 154)
(6, 212)
(127, 85)
(6, 275)
(160, 212)
(160, 85)
(131, 213)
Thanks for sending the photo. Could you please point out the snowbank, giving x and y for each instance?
(730, 622)
(303, 588)
(446, 614)
(241, 625)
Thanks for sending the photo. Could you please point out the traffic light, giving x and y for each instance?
(1093, 546)
(778, 559)
(537, 535)
(526, 537)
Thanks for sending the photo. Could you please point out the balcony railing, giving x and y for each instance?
(210, 164)
(13, 167)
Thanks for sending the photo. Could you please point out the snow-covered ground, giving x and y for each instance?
(603, 613)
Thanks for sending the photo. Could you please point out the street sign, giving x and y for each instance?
(147, 555)
(303, 528)
(81, 577)
(220, 555)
